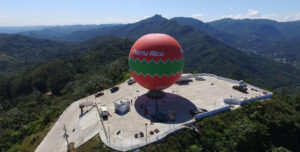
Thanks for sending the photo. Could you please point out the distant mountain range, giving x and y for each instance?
(58, 32)
(203, 53)
(278, 40)
(18, 29)
(44, 30)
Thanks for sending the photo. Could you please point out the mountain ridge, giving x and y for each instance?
(264, 37)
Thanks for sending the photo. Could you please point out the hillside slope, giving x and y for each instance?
(18, 51)
(206, 54)
(57, 32)
(25, 109)
(202, 53)
(278, 40)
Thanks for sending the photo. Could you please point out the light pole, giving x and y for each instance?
(66, 136)
(108, 135)
(146, 131)
(230, 101)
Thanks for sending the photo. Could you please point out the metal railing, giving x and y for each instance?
(211, 113)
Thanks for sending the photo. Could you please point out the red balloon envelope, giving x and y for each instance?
(156, 61)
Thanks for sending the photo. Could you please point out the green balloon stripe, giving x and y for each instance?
(160, 68)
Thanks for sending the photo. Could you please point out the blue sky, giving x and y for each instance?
(68, 12)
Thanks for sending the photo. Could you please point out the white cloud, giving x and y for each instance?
(255, 14)
(273, 16)
(292, 17)
(252, 13)
(198, 16)
(146, 17)
(289, 17)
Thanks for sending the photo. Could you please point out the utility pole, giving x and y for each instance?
(108, 134)
(230, 101)
(66, 136)
(146, 131)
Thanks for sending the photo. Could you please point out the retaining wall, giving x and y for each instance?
(211, 113)
(257, 98)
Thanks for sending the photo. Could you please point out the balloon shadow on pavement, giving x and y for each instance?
(171, 109)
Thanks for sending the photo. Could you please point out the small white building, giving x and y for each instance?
(104, 111)
(122, 106)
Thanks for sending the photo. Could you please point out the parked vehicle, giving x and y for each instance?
(98, 94)
(240, 88)
(199, 78)
(197, 111)
(114, 89)
(194, 112)
(202, 109)
(130, 81)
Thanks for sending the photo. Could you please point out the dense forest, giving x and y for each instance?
(27, 109)
(40, 78)
(18, 52)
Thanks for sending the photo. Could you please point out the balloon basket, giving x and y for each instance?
(155, 94)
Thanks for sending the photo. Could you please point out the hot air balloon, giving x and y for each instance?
(156, 61)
